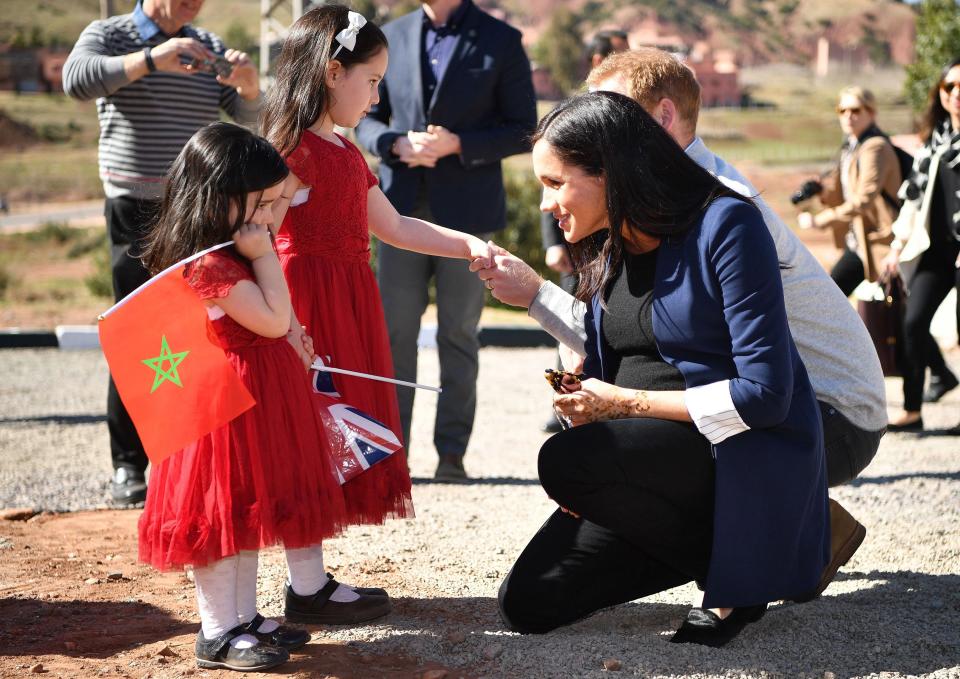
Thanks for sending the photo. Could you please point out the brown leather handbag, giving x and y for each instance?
(884, 321)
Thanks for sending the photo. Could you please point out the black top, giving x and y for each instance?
(942, 227)
(627, 329)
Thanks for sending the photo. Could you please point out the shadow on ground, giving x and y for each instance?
(905, 624)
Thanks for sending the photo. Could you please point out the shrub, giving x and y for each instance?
(57, 232)
(100, 282)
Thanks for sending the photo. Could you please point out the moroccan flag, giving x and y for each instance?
(169, 368)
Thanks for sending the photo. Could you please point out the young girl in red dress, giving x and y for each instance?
(327, 74)
(265, 477)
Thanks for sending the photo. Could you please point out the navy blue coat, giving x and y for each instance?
(486, 97)
(718, 314)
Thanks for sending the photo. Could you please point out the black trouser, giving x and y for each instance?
(847, 448)
(936, 274)
(847, 273)
(644, 490)
(128, 221)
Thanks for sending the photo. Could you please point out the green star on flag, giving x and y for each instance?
(156, 364)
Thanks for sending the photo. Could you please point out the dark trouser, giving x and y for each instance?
(936, 274)
(848, 448)
(847, 273)
(647, 515)
(644, 490)
(128, 221)
(404, 279)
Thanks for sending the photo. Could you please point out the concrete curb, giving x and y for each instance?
(77, 337)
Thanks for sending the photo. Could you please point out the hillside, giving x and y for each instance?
(758, 31)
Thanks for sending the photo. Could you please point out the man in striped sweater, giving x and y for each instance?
(150, 72)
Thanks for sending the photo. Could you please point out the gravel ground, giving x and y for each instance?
(892, 611)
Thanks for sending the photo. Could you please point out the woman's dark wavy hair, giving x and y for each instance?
(652, 186)
(299, 96)
(220, 165)
(934, 114)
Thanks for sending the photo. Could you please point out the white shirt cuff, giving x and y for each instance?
(712, 410)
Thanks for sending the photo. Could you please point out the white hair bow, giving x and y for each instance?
(348, 36)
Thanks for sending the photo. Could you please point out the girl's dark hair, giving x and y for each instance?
(652, 186)
(299, 96)
(934, 114)
(220, 165)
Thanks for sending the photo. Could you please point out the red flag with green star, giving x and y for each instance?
(169, 368)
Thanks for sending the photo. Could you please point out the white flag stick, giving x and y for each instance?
(318, 365)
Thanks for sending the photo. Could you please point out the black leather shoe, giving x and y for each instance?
(705, 627)
(374, 591)
(128, 486)
(218, 653)
(318, 609)
(916, 425)
(939, 386)
(290, 638)
(450, 468)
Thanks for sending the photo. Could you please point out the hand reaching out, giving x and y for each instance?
(509, 278)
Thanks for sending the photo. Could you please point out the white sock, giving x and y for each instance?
(216, 587)
(247, 563)
(307, 575)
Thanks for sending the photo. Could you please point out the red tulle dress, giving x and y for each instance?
(263, 478)
(324, 247)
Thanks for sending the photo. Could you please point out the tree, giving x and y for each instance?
(938, 43)
(560, 50)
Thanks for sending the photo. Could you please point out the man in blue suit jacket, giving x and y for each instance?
(457, 98)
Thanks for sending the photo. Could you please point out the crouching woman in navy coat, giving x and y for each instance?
(696, 452)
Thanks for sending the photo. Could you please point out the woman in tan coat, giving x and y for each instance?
(860, 193)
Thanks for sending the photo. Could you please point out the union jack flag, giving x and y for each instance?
(357, 440)
(322, 380)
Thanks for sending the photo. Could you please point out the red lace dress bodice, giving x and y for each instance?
(333, 221)
(213, 276)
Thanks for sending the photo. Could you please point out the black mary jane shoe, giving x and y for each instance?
(706, 628)
(290, 638)
(219, 654)
(369, 591)
(319, 609)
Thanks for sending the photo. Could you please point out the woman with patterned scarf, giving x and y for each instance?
(926, 245)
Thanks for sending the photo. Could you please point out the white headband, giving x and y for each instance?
(348, 36)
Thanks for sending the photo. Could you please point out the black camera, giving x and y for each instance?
(807, 190)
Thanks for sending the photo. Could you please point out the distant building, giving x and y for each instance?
(719, 80)
(31, 70)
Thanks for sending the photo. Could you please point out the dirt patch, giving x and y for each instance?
(15, 134)
(75, 602)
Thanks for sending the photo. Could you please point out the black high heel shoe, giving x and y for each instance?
(706, 628)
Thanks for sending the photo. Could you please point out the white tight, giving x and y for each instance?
(227, 593)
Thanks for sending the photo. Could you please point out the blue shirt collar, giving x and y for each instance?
(145, 25)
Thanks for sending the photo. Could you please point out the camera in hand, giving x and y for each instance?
(807, 190)
(217, 66)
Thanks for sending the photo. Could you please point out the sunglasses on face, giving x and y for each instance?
(949, 87)
(852, 110)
